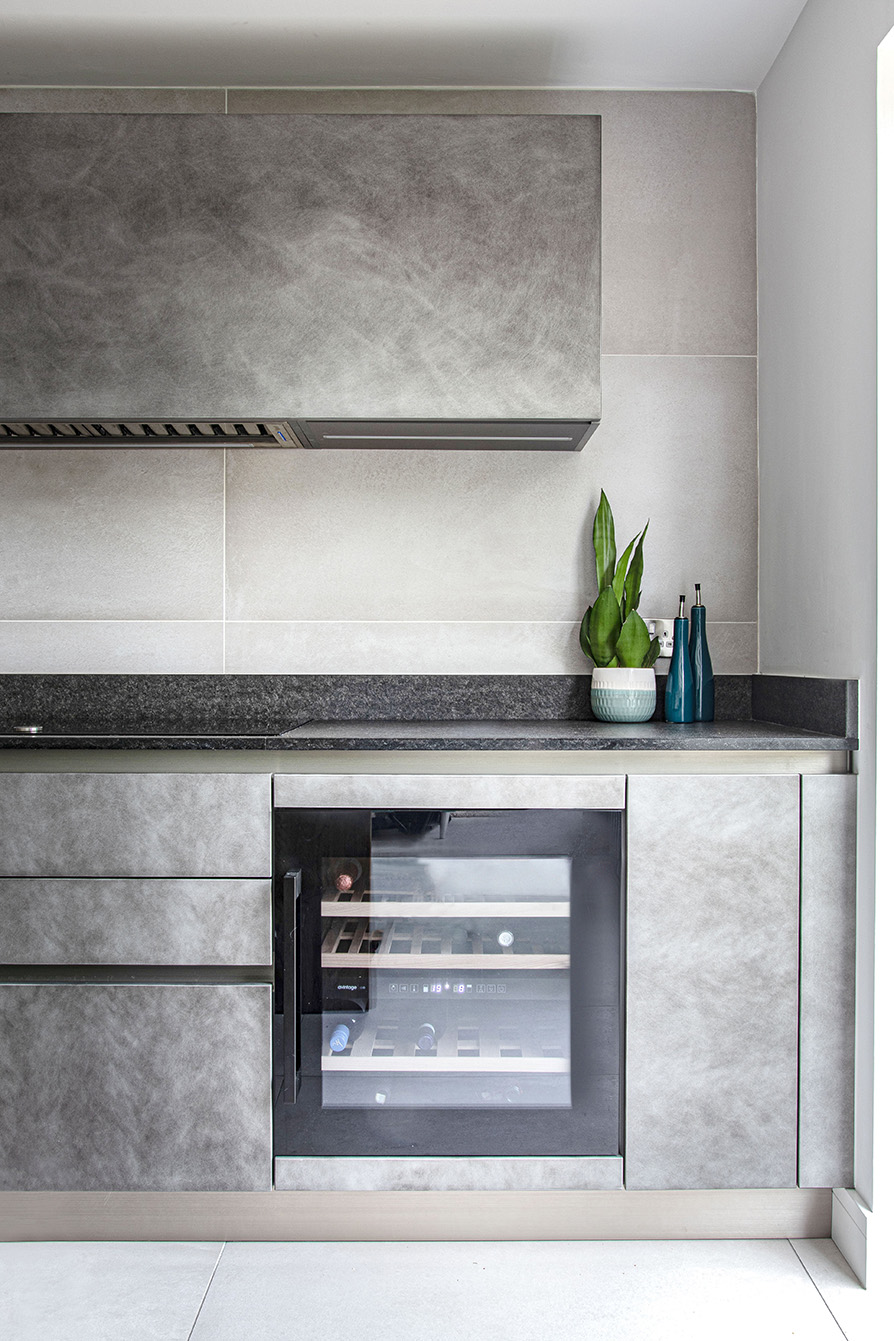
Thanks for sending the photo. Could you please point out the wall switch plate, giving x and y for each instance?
(663, 630)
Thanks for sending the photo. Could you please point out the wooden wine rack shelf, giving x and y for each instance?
(361, 905)
(469, 1046)
(354, 944)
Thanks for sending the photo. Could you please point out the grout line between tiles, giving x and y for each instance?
(571, 623)
(207, 1288)
(105, 619)
(806, 1271)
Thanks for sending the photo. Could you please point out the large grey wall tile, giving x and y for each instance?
(134, 824)
(733, 647)
(317, 265)
(679, 247)
(678, 443)
(412, 647)
(111, 647)
(828, 969)
(111, 534)
(83, 921)
(358, 536)
(470, 647)
(712, 982)
(125, 1088)
(110, 100)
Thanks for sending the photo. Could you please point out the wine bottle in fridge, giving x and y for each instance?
(345, 1032)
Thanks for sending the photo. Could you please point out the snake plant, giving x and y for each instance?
(612, 633)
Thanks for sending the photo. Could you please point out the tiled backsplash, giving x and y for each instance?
(286, 562)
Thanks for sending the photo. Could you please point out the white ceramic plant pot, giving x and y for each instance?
(619, 694)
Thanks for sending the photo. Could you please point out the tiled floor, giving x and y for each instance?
(759, 1290)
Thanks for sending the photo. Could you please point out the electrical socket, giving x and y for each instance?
(663, 630)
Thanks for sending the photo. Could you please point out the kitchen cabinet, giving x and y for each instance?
(135, 1002)
(135, 1007)
(712, 982)
(135, 1087)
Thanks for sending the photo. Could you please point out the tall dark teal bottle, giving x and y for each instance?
(678, 695)
(700, 657)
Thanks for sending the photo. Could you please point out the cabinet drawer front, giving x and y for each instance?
(156, 1088)
(126, 824)
(89, 921)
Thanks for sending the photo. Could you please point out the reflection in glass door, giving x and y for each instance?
(461, 966)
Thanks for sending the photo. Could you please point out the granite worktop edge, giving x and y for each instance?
(514, 736)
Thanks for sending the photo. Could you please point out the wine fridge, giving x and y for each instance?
(448, 982)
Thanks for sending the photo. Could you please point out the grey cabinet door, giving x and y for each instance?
(712, 982)
(828, 980)
(126, 1087)
(135, 824)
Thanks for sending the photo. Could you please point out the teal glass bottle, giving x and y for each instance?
(678, 694)
(700, 658)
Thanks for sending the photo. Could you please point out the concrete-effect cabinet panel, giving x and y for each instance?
(420, 791)
(135, 824)
(78, 921)
(828, 981)
(712, 979)
(311, 265)
(126, 1088)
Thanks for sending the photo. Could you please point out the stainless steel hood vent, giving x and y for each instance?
(344, 434)
(154, 433)
(441, 434)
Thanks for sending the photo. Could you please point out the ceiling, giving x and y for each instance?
(711, 44)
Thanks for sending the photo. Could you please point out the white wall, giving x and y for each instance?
(817, 378)
(291, 562)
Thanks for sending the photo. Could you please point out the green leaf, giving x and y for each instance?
(652, 654)
(585, 633)
(635, 575)
(605, 625)
(633, 641)
(604, 543)
(620, 574)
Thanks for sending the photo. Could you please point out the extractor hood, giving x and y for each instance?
(346, 434)
(325, 281)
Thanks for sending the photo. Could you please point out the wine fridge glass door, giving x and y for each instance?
(458, 961)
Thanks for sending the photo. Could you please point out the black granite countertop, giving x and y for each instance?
(592, 735)
(464, 736)
(422, 712)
